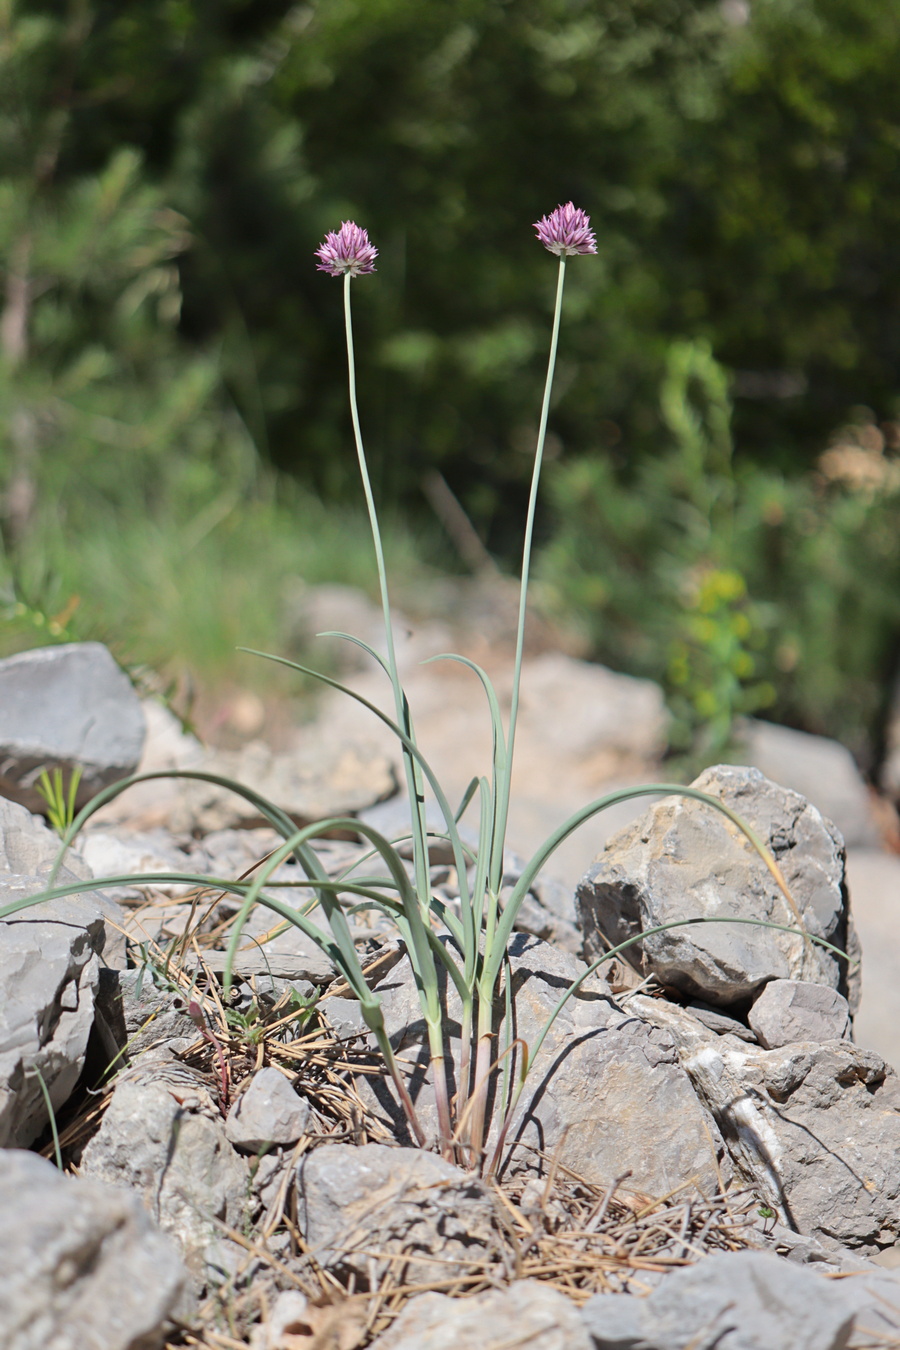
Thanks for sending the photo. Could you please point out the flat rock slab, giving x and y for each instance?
(424, 1218)
(685, 860)
(527, 1314)
(81, 1264)
(62, 707)
(733, 1301)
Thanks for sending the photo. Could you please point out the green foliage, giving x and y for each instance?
(739, 589)
(132, 497)
(445, 130)
(785, 221)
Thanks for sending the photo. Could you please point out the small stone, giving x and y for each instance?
(795, 1010)
(268, 1112)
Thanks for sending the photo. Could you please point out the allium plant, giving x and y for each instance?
(469, 947)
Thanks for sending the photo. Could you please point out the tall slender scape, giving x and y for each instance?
(349, 253)
(565, 232)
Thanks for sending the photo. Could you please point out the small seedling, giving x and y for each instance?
(59, 798)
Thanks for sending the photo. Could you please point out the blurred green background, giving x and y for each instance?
(720, 509)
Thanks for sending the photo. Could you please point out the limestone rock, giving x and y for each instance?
(319, 778)
(142, 1015)
(48, 972)
(81, 1264)
(162, 1136)
(268, 1112)
(66, 706)
(49, 968)
(890, 769)
(109, 853)
(353, 1201)
(526, 1314)
(815, 1128)
(593, 708)
(734, 1301)
(794, 1010)
(50, 957)
(874, 882)
(685, 860)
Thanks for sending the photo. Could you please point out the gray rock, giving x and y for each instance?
(49, 968)
(820, 769)
(81, 1265)
(720, 1022)
(795, 1010)
(291, 956)
(527, 1314)
(268, 1112)
(890, 768)
(50, 957)
(61, 707)
(395, 1202)
(27, 846)
(320, 778)
(685, 860)
(815, 1128)
(141, 1014)
(28, 850)
(874, 882)
(333, 608)
(548, 911)
(593, 708)
(109, 853)
(605, 1095)
(734, 1301)
(162, 1136)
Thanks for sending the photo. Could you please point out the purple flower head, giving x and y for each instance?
(566, 231)
(347, 250)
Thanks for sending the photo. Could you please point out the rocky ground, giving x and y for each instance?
(707, 1152)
